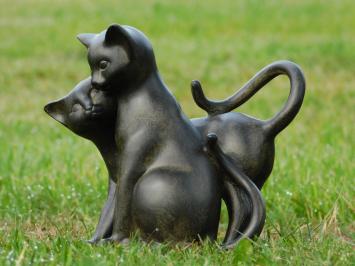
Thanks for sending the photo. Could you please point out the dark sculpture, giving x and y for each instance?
(171, 173)
(91, 114)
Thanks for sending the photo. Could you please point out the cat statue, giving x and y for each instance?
(229, 128)
(90, 113)
(235, 132)
(167, 184)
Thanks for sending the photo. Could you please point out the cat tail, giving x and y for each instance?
(238, 214)
(288, 112)
(239, 210)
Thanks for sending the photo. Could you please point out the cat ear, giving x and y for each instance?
(85, 38)
(57, 110)
(117, 34)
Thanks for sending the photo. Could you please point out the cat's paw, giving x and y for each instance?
(116, 239)
(93, 241)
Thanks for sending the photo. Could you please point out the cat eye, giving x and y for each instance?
(103, 64)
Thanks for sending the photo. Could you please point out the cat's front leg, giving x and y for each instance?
(139, 152)
(105, 224)
(122, 219)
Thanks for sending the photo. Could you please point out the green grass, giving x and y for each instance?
(53, 184)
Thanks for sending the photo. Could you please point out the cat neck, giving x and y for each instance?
(148, 97)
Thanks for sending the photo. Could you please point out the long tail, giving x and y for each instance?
(239, 211)
(236, 212)
(288, 112)
(257, 216)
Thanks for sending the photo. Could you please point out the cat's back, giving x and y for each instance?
(243, 139)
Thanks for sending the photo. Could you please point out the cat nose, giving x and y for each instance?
(100, 86)
(95, 84)
(97, 80)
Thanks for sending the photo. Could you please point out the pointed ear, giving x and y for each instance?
(85, 38)
(117, 34)
(57, 110)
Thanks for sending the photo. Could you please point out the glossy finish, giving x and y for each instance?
(171, 172)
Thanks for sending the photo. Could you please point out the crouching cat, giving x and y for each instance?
(90, 113)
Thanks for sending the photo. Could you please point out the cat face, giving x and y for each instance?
(86, 111)
(119, 56)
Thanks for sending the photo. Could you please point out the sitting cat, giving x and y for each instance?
(167, 184)
(91, 114)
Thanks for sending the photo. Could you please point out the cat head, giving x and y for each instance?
(119, 56)
(86, 111)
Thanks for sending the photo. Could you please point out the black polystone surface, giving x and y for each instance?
(168, 174)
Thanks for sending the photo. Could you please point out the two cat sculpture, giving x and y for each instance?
(168, 174)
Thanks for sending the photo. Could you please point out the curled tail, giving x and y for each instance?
(288, 112)
(237, 213)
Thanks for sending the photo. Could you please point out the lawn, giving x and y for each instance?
(53, 183)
